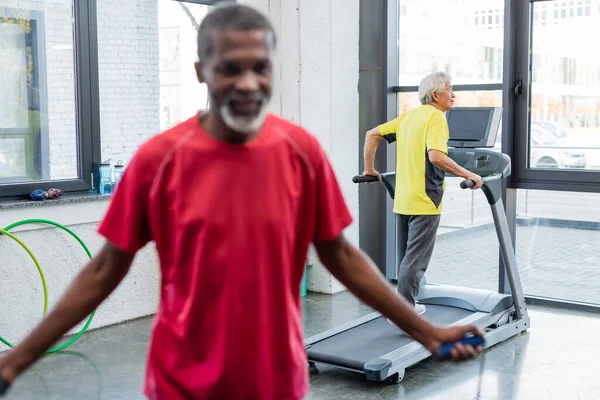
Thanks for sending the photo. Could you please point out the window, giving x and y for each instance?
(43, 139)
(181, 96)
(556, 244)
(561, 105)
(85, 81)
(551, 110)
(472, 55)
(476, 32)
(147, 81)
(556, 237)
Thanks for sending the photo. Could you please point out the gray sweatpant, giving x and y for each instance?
(416, 237)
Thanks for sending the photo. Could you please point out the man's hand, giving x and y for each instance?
(448, 165)
(372, 172)
(475, 178)
(454, 334)
(9, 367)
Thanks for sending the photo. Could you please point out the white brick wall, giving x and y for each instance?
(129, 75)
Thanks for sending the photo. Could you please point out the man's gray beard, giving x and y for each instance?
(242, 124)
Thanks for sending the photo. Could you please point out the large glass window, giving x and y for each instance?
(557, 244)
(38, 112)
(551, 97)
(565, 86)
(181, 96)
(558, 113)
(463, 38)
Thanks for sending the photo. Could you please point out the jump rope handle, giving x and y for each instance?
(3, 387)
(444, 351)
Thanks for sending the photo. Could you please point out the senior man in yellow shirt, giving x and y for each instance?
(421, 137)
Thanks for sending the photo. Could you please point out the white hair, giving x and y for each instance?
(434, 82)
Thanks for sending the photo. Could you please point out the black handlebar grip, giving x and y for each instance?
(364, 179)
(3, 387)
(467, 184)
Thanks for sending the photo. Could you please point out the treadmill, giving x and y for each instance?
(382, 352)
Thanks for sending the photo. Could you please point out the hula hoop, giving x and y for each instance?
(70, 232)
(37, 265)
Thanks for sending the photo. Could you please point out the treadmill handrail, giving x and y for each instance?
(492, 186)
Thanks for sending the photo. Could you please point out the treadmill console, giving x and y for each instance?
(473, 127)
(473, 130)
(482, 162)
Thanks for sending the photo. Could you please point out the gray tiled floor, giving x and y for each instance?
(547, 362)
(551, 361)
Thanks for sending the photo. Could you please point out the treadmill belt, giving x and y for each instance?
(356, 346)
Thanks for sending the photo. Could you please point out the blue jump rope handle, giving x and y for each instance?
(3, 387)
(443, 352)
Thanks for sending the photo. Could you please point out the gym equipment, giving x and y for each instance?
(89, 254)
(467, 123)
(372, 346)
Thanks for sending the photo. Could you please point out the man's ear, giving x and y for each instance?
(199, 74)
(435, 96)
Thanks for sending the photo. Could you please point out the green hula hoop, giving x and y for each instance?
(37, 264)
(70, 232)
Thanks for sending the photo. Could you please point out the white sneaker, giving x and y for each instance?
(420, 309)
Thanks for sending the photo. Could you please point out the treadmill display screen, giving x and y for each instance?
(469, 125)
(473, 127)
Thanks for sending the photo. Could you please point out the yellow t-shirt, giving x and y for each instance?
(419, 184)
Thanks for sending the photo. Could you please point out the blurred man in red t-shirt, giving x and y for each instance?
(232, 197)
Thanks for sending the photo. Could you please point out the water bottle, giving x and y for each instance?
(105, 185)
(118, 171)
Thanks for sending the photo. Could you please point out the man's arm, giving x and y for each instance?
(90, 288)
(446, 164)
(372, 140)
(357, 273)
(385, 131)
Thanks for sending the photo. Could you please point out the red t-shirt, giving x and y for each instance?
(232, 224)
